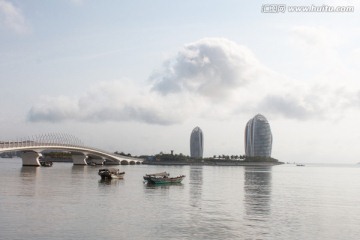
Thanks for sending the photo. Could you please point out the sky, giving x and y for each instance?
(138, 76)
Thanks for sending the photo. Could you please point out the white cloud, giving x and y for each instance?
(316, 102)
(324, 55)
(111, 101)
(54, 109)
(290, 107)
(211, 67)
(12, 18)
(318, 45)
(315, 38)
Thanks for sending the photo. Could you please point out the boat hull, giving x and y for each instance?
(117, 176)
(111, 174)
(166, 180)
(46, 163)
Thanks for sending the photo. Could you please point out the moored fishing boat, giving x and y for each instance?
(111, 173)
(46, 163)
(162, 178)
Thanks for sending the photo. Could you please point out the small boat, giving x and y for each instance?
(162, 177)
(46, 163)
(300, 165)
(111, 173)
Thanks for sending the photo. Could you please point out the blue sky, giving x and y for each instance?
(138, 76)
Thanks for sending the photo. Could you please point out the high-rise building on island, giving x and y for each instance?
(196, 143)
(258, 137)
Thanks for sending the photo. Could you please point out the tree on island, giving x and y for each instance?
(123, 154)
(259, 159)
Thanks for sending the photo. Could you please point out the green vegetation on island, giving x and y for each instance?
(181, 159)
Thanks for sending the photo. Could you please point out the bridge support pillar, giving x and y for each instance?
(79, 159)
(98, 161)
(31, 159)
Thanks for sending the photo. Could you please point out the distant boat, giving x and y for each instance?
(111, 173)
(46, 163)
(300, 165)
(162, 178)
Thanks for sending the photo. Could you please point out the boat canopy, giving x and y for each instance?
(161, 174)
(111, 170)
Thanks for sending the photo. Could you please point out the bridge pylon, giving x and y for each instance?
(79, 158)
(31, 158)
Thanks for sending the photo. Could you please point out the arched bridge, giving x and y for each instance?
(32, 149)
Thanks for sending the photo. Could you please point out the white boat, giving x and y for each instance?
(111, 173)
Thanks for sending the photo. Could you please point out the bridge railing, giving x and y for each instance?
(55, 140)
(49, 139)
(35, 144)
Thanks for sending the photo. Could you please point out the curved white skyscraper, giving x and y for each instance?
(196, 143)
(258, 137)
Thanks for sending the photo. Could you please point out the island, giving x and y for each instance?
(173, 159)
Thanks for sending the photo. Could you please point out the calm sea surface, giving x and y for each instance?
(281, 202)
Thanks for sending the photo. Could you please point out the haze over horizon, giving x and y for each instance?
(138, 76)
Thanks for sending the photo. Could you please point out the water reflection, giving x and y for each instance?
(196, 182)
(257, 192)
(79, 169)
(161, 186)
(109, 181)
(28, 180)
(28, 172)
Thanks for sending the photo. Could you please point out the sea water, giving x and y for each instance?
(213, 202)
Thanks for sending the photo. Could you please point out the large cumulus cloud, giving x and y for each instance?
(209, 78)
(210, 67)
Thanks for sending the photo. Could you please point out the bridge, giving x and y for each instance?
(33, 147)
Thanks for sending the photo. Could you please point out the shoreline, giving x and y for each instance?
(213, 163)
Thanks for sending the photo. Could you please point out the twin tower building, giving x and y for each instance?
(258, 139)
